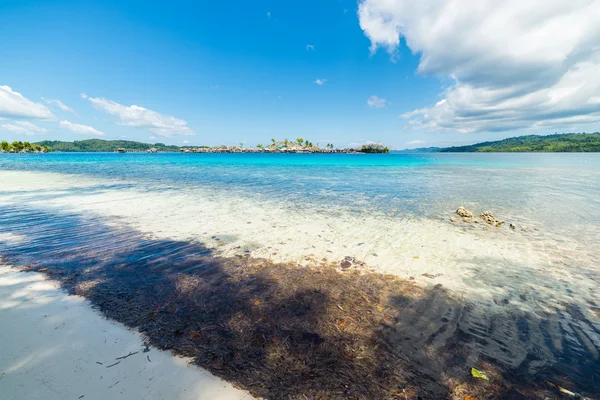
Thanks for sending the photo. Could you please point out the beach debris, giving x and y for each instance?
(351, 261)
(467, 397)
(512, 226)
(479, 374)
(567, 392)
(112, 365)
(128, 355)
(430, 276)
(463, 212)
(489, 218)
(114, 384)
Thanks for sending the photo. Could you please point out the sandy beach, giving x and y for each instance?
(55, 346)
(520, 303)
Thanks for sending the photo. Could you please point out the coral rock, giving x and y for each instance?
(463, 212)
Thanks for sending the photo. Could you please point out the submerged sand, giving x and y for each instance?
(522, 303)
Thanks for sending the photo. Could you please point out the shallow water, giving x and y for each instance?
(531, 299)
(552, 190)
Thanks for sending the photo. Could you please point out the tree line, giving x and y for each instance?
(566, 142)
(22, 147)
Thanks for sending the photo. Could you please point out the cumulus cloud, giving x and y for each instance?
(80, 129)
(376, 102)
(513, 64)
(61, 105)
(14, 105)
(140, 117)
(320, 82)
(310, 47)
(24, 128)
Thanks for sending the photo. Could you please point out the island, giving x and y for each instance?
(287, 146)
(556, 143)
(127, 146)
(22, 147)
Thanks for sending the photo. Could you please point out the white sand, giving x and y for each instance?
(52, 344)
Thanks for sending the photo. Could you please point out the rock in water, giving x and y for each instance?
(463, 212)
(489, 218)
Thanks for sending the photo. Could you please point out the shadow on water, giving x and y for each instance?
(285, 331)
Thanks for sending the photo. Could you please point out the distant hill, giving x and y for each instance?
(99, 145)
(419, 150)
(567, 142)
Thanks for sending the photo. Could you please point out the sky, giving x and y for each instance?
(401, 72)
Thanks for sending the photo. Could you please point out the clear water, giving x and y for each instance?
(559, 191)
(527, 291)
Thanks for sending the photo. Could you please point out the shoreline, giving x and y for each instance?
(501, 293)
(54, 346)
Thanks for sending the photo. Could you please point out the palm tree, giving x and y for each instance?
(300, 140)
(273, 140)
(4, 146)
(260, 146)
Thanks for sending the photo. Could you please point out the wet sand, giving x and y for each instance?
(257, 294)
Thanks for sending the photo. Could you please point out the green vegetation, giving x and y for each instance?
(374, 148)
(99, 145)
(568, 142)
(22, 147)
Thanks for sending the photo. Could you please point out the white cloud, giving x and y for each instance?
(416, 142)
(269, 14)
(14, 105)
(61, 105)
(310, 47)
(24, 128)
(140, 117)
(320, 82)
(513, 64)
(80, 129)
(376, 102)
(185, 142)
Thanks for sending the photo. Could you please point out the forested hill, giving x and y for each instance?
(568, 142)
(99, 145)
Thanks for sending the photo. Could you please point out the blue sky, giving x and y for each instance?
(228, 72)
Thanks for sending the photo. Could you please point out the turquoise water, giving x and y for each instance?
(544, 189)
